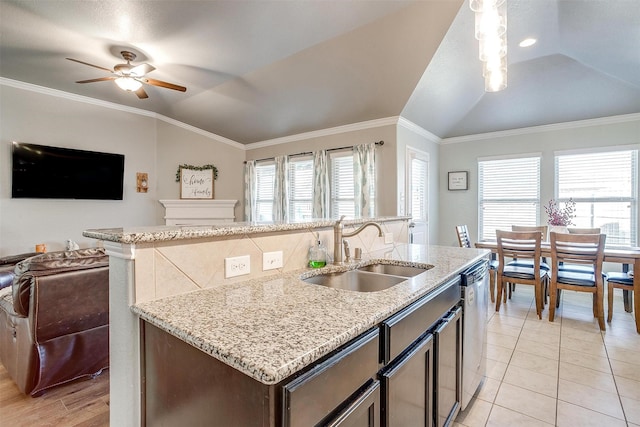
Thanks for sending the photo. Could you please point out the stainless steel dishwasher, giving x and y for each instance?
(474, 286)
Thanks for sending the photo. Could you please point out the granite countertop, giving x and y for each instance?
(270, 328)
(160, 233)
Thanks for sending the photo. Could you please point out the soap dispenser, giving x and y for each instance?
(317, 254)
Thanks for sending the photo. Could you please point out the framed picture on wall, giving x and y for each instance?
(459, 180)
(196, 183)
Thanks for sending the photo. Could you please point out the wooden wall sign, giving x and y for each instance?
(196, 183)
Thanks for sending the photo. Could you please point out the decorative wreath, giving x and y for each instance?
(198, 168)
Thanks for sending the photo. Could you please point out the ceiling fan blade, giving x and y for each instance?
(141, 93)
(141, 70)
(101, 79)
(90, 65)
(160, 83)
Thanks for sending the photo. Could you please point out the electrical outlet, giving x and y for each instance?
(388, 238)
(271, 260)
(237, 266)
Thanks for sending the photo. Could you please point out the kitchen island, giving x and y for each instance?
(266, 328)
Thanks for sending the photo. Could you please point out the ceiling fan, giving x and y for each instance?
(129, 77)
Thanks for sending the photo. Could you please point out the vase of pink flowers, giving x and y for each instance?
(560, 218)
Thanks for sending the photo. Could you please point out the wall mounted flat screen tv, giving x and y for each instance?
(43, 172)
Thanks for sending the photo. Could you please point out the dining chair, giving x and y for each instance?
(578, 249)
(617, 280)
(465, 242)
(574, 267)
(543, 229)
(543, 265)
(525, 247)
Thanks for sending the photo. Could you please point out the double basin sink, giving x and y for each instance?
(369, 278)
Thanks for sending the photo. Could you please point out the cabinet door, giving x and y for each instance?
(448, 345)
(313, 396)
(364, 411)
(407, 388)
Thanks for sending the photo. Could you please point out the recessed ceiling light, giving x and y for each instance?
(528, 42)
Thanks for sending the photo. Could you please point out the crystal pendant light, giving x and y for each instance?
(491, 32)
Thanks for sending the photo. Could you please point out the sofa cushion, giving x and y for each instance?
(52, 263)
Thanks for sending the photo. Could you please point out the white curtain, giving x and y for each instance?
(320, 184)
(250, 194)
(364, 166)
(281, 189)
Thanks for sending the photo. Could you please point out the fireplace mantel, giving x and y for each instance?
(198, 212)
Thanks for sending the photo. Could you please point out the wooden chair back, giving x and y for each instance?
(523, 246)
(463, 236)
(575, 230)
(520, 245)
(541, 228)
(587, 249)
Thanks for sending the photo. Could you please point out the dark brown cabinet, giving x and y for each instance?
(403, 372)
(318, 396)
(421, 384)
(448, 366)
(407, 385)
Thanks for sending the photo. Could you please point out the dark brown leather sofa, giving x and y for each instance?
(54, 319)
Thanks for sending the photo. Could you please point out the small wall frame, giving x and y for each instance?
(458, 180)
(196, 183)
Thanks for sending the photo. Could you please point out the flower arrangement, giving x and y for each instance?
(558, 216)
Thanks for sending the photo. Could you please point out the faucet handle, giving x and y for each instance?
(347, 250)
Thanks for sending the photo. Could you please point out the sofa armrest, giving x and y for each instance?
(52, 264)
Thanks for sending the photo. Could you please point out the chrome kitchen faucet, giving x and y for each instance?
(339, 235)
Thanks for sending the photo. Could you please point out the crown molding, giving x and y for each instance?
(119, 107)
(544, 128)
(409, 125)
(369, 124)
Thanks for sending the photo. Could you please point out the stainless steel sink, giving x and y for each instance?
(394, 270)
(356, 280)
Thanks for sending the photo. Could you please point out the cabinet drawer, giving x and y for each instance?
(312, 396)
(403, 328)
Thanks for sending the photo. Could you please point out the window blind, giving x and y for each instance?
(300, 188)
(342, 194)
(509, 193)
(605, 187)
(265, 180)
(418, 189)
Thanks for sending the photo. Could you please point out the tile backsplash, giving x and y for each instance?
(172, 268)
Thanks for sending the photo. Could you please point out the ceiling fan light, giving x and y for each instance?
(128, 83)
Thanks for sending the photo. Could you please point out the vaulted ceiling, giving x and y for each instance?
(258, 69)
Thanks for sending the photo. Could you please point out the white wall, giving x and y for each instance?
(149, 145)
(461, 207)
(177, 145)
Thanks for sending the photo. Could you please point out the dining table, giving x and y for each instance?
(621, 255)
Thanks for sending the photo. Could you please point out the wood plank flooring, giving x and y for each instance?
(82, 403)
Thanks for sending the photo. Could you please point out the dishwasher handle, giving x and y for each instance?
(475, 274)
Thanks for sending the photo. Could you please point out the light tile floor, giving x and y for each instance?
(561, 373)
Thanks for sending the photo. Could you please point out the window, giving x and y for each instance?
(300, 189)
(509, 193)
(604, 186)
(300, 178)
(265, 177)
(342, 198)
(418, 187)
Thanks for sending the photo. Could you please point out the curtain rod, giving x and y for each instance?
(306, 153)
